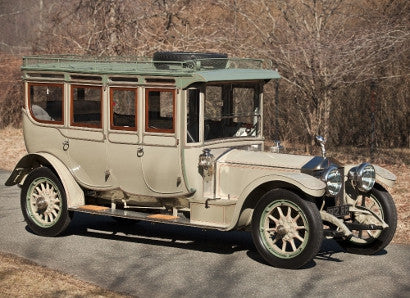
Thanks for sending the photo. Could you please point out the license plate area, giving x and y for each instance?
(338, 211)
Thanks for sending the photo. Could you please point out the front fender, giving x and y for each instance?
(74, 193)
(302, 182)
(383, 175)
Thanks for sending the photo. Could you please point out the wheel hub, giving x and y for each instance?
(285, 229)
(41, 204)
(281, 230)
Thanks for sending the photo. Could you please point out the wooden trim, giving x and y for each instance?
(147, 128)
(62, 102)
(162, 216)
(93, 208)
(81, 124)
(112, 126)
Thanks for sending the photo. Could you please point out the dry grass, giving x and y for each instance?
(12, 147)
(23, 278)
(11, 90)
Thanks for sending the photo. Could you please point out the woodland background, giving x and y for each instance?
(344, 63)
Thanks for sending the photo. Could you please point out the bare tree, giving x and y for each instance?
(327, 51)
(316, 49)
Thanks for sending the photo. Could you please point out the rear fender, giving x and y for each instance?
(74, 193)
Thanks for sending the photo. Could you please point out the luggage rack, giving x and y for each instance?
(123, 64)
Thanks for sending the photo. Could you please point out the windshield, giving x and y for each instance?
(231, 111)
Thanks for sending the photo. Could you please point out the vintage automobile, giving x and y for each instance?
(178, 139)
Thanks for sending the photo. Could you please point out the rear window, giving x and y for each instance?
(160, 109)
(123, 108)
(86, 106)
(46, 102)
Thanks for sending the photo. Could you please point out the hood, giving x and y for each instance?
(267, 159)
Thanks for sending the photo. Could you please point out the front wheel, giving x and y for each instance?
(369, 242)
(286, 229)
(44, 204)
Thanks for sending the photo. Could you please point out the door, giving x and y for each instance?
(85, 141)
(160, 152)
(123, 140)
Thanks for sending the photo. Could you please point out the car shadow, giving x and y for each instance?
(329, 251)
(159, 234)
(183, 237)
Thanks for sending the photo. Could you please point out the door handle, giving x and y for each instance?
(140, 152)
(66, 145)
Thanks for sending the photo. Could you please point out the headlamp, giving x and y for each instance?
(363, 177)
(333, 179)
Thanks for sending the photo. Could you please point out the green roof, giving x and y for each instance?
(237, 74)
(184, 72)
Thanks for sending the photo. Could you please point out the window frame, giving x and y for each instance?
(200, 115)
(62, 102)
(82, 124)
(158, 130)
(114, 127)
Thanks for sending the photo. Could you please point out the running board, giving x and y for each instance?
(136, 215)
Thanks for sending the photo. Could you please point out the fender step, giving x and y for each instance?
(138, 215)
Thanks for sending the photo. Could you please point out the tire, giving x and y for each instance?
(371, 242)
(216, 60)
(277, 211)
(44, 203)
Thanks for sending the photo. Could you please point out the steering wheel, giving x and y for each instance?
(249, 128)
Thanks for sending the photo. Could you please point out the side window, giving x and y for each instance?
(46, 102)
(159, 110)
(231, 110)
(192, 124)
(243, 100)
(213, 103)
(123, 108)
(86, 106)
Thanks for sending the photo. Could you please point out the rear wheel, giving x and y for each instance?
(44, 204)
(286, 229)
(368, 242)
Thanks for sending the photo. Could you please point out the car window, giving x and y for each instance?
(231, 111)
(193, 116)
(123, 108)
(159, 110)
(213, 102)
(86, 106)
(46, 102)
